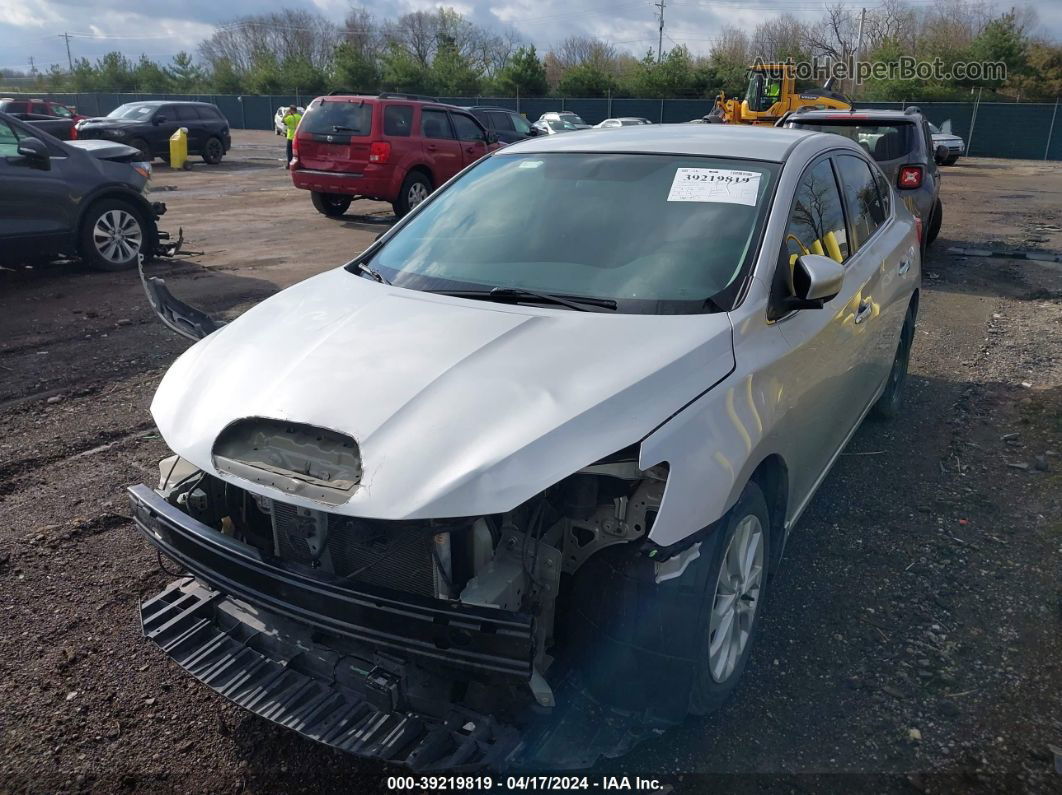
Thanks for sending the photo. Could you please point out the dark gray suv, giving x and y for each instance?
(73, 197)
(900, 143)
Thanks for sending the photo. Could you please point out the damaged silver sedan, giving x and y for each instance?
(507, 489)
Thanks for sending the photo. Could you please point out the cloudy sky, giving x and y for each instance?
(32, 28)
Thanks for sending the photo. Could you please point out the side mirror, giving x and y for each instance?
(36, 152)
(941, 153)
(490, 137)
(816, 279)
(159, 119)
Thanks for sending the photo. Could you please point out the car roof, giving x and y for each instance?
(855, 113)
(157, 102)
(717, 140)
(488, 107)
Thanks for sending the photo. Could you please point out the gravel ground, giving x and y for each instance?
(912, 641)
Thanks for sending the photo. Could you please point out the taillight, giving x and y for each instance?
(73, 132)
(918, 228)
(379, 152)
(910, 177)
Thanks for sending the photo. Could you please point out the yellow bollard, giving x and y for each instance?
(179, 148)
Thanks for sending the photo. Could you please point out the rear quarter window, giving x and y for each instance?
(398, 120)
(346, 118)
(14, 107)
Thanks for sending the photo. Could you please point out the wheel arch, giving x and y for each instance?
(120, 193)
(772, 476)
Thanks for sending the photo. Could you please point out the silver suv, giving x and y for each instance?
(901, 143)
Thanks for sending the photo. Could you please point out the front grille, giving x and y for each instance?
(395, 555)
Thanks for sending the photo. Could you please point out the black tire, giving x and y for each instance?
(890, 403)
(142, 145)
(641, 645)
(934, 222)
(707, 693)
(95, 244)
(416, 184)
(951, 161)
(331, 204)
(213, 151)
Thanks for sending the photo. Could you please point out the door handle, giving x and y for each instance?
(432, 147)
(863, 312)
(905, 265)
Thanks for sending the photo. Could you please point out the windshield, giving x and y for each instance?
(655, 233)
(883, 142)
(132, 110)
(572, 117)
(555, 124)
(934, 129)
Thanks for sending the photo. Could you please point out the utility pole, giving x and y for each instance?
(859, 45)
(69, 60)
(33, 66)
(660, 38)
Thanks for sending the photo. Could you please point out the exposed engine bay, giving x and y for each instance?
(521, 562)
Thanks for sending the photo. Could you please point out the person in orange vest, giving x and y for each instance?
(291, 123)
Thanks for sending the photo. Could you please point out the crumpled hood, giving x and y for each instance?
(459, 407)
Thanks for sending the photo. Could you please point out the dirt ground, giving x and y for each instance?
(913, 641)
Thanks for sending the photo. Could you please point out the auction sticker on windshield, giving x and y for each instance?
(715, 185)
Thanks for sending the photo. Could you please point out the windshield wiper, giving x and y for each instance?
(515, 294)
(371, 272)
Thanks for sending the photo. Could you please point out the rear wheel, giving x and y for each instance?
(934, 222)
(142, 145)
(112, 236)
(951, 160)
(415, 188)
(331, 204)
(213, 151)
(891, 400)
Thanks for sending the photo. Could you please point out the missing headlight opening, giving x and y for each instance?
(502, 645)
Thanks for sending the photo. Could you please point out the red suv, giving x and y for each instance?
(395, 148)
(40, 107)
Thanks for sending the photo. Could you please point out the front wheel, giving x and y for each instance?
(331, 204)
(112, 236)
(213, 151)
(736, 559)
(415, 189)
(142, 145)
(891, 400)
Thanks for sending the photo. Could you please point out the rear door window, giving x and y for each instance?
(865, 209)
(501, 121)
(207, 113)
(187, 113)
(467, 128)
(435, 124)
(14, 107)
(338, 118)
(398, 120)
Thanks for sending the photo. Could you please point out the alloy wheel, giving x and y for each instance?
(737, 596)
(117, 236)
(418, 192)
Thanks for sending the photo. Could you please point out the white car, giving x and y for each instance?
(623, 121)
(507, 488)
(953, 143)
(278, 119)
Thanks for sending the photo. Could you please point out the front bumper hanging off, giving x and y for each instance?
(277, 641)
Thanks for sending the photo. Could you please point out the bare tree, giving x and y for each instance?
(289, 33)
(779, 38)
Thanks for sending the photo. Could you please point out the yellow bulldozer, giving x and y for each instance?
(770, 95)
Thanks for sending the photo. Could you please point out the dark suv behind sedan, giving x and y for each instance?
(147, 126)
